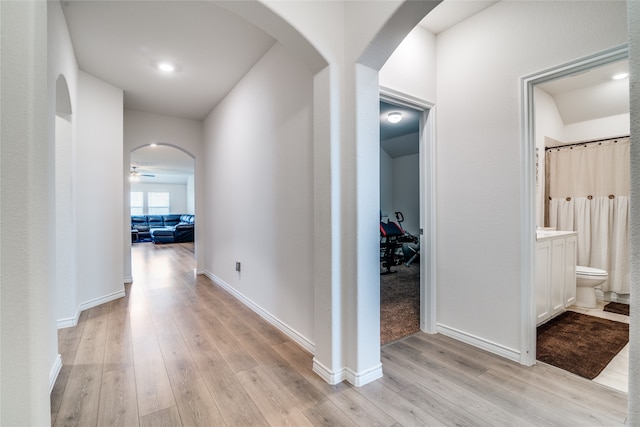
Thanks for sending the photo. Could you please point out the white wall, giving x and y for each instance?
(99, 191)
(62, 65)
(480, 62)
(406, 191)
(191, 195)
(386, 184)
(400, 189)
(142, 129)
(412, 68)
(26, 216)
(66, 301)
(605, 127)
(634, 219)
(258, 148)
(547, 124)
(177, 194)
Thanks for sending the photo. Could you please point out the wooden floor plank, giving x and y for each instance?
(169, 417)
(360, 410)
(153, 387)
(196, 406)
(179, 350)
(277, 408)
(118, 405)
(234, 403)
(397, 407)
(80, 403)
(328, 414)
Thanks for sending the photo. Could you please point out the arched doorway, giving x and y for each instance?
(161, 182)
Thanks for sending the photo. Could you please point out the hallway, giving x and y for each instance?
(180, 351)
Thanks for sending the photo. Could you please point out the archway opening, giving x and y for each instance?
(162, 195)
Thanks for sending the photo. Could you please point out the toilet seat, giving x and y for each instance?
(590, 271)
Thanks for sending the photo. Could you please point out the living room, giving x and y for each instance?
(161, 182)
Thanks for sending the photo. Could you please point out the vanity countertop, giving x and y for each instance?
(552, 234)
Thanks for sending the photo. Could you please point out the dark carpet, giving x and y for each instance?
(617, 307)
(399, 303)
(580, 344)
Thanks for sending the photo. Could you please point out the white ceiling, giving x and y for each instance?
(120, 41)
(451, 12)
(168, 164)
(391, 134)
(592, 94)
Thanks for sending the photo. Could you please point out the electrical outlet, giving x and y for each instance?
(238, 266)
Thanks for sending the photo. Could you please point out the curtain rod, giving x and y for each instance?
(577, 144)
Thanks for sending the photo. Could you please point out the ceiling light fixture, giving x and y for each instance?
(620, 76)
(153, 145)
(394, 117)
(134, 175)
(167, 67)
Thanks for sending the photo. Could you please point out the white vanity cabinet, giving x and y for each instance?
(555, 274)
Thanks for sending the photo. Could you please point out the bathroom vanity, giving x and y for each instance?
(555, 273)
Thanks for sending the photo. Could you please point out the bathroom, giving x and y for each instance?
(582, 128)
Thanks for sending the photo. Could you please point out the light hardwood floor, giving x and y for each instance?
(180, 351)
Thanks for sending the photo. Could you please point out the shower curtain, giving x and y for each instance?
(588, 192)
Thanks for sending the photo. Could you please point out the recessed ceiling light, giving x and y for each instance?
(167, 67)
(394, 117)
(620, 76)
(153, 145)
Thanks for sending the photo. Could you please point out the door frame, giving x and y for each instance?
(427, 177)
(528, 189)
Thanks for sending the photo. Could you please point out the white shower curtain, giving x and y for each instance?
(589, 193)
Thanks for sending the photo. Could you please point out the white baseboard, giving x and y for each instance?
(326, 374)
(359, 379)
(103, 299)
(70, 322)
(345, 374)
(54, 372)
(283, 327)
(128, 279)
(199, 272)
(491, 347)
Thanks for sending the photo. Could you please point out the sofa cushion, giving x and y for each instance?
(156, 221)
(170, 220)
(186, 219)
(140, 223)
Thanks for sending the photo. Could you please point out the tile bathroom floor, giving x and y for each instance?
(616, 374)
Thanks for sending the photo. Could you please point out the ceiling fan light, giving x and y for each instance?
(394, 117)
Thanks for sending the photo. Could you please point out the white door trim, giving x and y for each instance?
(528, 191)
(427, 202)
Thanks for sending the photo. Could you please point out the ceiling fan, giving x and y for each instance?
(134, 175)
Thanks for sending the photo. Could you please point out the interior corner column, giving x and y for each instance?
(328, 361)
(362, 274)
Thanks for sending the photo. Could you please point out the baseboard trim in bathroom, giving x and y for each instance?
(617, 307)
(581, 344)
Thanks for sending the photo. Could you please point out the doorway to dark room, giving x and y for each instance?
(400, 221)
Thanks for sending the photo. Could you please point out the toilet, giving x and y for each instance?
(587, 278)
